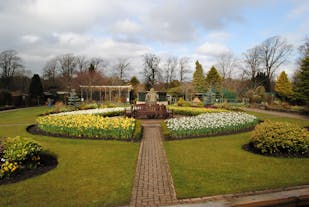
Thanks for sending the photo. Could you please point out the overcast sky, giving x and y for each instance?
(199, 29)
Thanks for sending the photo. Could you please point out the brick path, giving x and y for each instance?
(153, 184)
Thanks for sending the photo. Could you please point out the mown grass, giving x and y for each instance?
(218, 165)
(89, 173)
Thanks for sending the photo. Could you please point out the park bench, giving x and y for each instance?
(149, 111)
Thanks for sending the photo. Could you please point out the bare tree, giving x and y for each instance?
(170, 70)
(82, 63)
(10, 62)
(121, 67)
(50, 70)
(98, 63)
(67, 66)
(151, 69)
(226, 63)
(252, 64)
(273, 53)
(183, 68)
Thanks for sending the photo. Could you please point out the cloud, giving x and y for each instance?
(212, 49)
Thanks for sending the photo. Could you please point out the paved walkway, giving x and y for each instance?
(153, 184)
(278, 113)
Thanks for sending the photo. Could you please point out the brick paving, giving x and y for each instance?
(153, 184)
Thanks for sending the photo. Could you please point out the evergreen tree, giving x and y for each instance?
(283, 86)
(36, 88)
(302, 84)
(198, 78)
(134, 81)
(214, 80)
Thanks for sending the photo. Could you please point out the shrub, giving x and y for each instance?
(280, 137)
(18, 153)
(138, 131)
(165, 130)
(180, 101)
(186, 104)
(20, 150)
(193, 111)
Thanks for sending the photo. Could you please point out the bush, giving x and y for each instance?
(180, 101)
(165, 130)
(20, 150)
(280, 137)
(18, 153)
(193, 111)
(138, 130)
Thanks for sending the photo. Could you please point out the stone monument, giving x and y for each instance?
(151, 97)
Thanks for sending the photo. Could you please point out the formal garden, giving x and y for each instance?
(87, 155)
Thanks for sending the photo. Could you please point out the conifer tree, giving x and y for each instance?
(302, 83)
(198, 78)
(283, 86)
(213, 79)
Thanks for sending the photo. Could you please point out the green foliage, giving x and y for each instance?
(20, 149)
(180, 101)
(193, 111)
(165, 130)
(302, 81)
(280, 137)
(198, 78)
(134, 81)
(214, 80)
(283, 86)
(138, 131)
(257, 96)
(36, 88)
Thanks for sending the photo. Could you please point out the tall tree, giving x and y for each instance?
(36, 88)
(213, 80)
(283, 86)
(99, 64)
(170, 70)
(302, 83)
(10, 62)
(199, 78)
(252, 65)
(183, 68)
(50, 70)
(151, 70)
(121, 67)
(226, 63)
(273, 53)
(67, 65)
(82, 63)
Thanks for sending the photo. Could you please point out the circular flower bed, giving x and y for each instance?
(21, 158)
(208, 124)
(280, 139)
(83, 125)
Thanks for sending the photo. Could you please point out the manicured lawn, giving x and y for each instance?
(218, 165)
(89, 173)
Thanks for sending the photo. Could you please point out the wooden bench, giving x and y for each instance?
(149, 111)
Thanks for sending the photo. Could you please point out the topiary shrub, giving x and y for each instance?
(280, 138)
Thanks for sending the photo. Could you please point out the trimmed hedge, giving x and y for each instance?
(272, 137)
(193, 111)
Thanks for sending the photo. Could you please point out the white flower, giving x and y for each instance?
(92, 111)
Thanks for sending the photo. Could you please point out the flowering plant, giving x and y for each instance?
(210, 124)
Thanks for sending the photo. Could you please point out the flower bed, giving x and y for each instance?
(208, 124)
(192, 111)
(103, 111)
(17, 154)
(282, 138)
(89, 126)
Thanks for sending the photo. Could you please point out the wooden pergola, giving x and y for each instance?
(106, 91)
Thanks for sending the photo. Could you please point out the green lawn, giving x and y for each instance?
(218, 165)
(89, 173)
